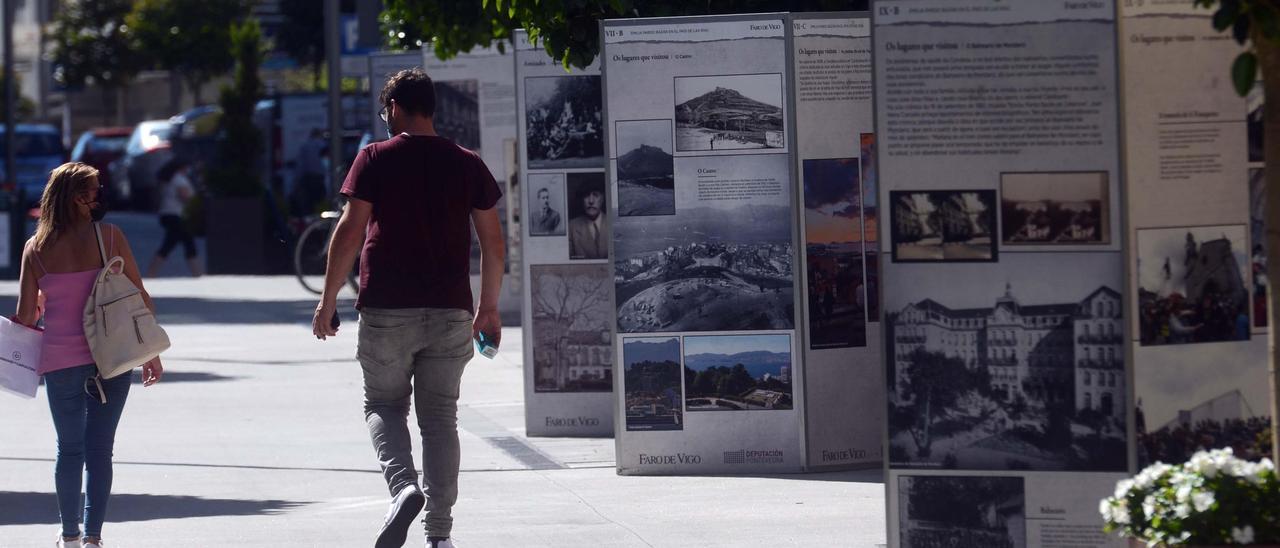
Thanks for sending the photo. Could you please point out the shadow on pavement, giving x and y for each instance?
(171, 376)
(26, 508)
(192, 310)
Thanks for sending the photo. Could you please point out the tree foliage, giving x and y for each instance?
(568, 30)
(1248, 21)
(24, 109)
(92, 44)
(189, 37)
(301, 34)
(240, 146)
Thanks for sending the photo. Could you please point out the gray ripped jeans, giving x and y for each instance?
(419, 352)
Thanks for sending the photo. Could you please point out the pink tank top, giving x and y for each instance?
(66, 293)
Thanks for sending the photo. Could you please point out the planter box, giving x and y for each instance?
(235, 236)
(1135, 543)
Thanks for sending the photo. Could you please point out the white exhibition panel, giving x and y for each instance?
(568, 352)
(999, 169)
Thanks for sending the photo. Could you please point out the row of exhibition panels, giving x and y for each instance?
(917, 238)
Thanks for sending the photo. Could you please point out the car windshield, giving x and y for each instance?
(108, 144)
(33, 144)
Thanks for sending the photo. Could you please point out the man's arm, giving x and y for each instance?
(492, 258)
(344, 247)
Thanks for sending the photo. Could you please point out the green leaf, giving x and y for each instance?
(1243, 72)
(1241, 30)
(1226, 15)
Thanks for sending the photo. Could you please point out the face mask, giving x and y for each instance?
(98, 211)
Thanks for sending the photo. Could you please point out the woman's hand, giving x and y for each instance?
(151, 372)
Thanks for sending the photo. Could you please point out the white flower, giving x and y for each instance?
(1115, 510)
(1149, 506)
(1202, 500)
(1148, 477)
(1123, 487)
(1242, 536)
(1182, 510)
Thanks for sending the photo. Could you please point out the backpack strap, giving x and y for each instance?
(102, 251)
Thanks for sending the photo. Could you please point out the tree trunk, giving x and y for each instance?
(1269, 64)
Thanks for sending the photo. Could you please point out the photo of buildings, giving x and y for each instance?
(573, 348)
(1065, 208)
(1191, 285)
(943, 225)
(961, 511)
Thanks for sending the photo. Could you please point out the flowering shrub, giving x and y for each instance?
(1214, 498)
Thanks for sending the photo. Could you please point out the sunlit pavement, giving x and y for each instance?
(256, 437)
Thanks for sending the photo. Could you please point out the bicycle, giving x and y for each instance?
(311, 253)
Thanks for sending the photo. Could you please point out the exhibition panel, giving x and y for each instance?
(568, 323)
(999, 164)
(1194, 206)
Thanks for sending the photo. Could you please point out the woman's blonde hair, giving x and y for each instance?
(57, 205)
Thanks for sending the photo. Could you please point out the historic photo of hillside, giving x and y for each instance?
(1055, 208)
(652, 383)
(834, 253)
(737, 372)
(741, 111)
(563, 122)
(457, 114)
(1009, 367)
(572, 343)
(962, 511)
(943, 226)
(706, 269)
(646, 170)
(1191, 285)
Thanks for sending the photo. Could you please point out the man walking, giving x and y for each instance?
(418, 195)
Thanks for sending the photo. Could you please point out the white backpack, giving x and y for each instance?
(122, 331)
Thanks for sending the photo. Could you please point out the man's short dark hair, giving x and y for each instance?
(412, 90)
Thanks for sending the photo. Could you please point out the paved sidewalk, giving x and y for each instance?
(256, 438)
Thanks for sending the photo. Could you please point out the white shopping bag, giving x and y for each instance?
(19, 357)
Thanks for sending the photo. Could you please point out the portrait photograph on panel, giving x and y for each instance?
(1257, 241)
(1048, 209)
(962, 511)
(731, 112)
(588, 216)
(646, 169)
(943, 225)
(547, 204)
(652, 383)
(834, 253)
(457, 115)
(871, 224)
(737, 372)
(563, 122)
(572, 342)
(1010, 366)
(1192, 285)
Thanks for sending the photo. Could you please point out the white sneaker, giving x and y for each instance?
(60, 543)
(404, 509)
(446, 543)
(93, 544)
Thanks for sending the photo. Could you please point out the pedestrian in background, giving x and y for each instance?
(175, 191)
(418, 194)
(62, 262)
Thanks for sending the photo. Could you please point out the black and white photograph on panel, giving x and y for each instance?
(652, 383)
(564, 122)
(547, 204)
(871, 224)
(572, 343)
(1010, 366)
(723, 262)
(962, 512)
(1191, 285)
(588, 216)
(1047, 209)
(646, 170)
(457, 115)
(1254, 123)
(943, 225)
(730, 112)
(1257, 239)
(737, 372)
(834, 253)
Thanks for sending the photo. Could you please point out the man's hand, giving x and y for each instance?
(151, 371)
(321, 323)
(487, 320)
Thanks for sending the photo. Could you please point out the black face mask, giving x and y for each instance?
(97, 211)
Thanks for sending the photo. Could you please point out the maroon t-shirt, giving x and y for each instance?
(417, 251)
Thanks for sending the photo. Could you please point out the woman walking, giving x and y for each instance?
(175, 191)
(60, 264)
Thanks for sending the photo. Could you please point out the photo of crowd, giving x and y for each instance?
(563, 118)
(1191, 285)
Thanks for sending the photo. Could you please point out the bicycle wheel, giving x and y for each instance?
(311, 253)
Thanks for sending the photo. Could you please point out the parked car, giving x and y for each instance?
(99, 147)
(148, 150)
(37, 151)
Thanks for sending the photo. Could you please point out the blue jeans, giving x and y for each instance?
(86, 434)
